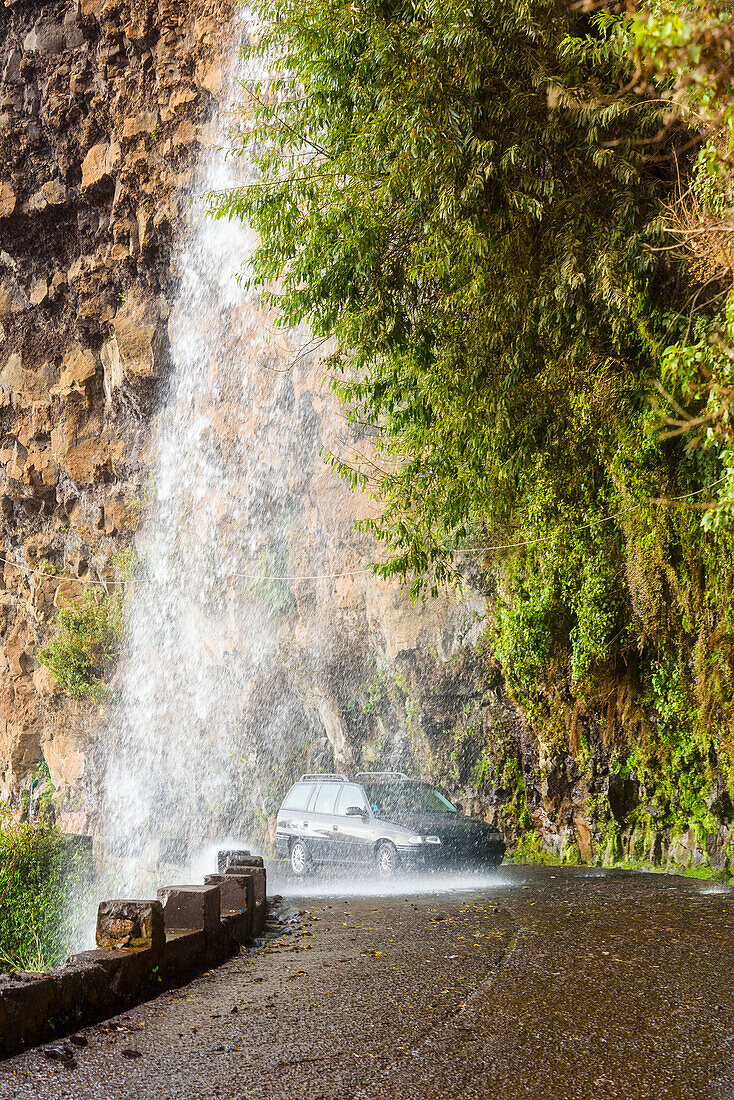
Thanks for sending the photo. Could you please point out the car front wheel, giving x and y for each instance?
(387, 859)
(301, 863)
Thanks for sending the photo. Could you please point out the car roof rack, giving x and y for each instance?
(329, 777)
(383, 775)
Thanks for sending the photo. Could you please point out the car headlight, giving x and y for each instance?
(433, 840)
(415, 839)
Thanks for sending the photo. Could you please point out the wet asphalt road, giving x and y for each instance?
(541, 983)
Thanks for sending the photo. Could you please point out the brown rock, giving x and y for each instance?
(143, 122)
(209, 76)
(583, 838)
(21, 388)
(79, 367)
(8, 200)
(99, 164)
(46, 38)
(131, 924)
(18, 646)
(70, 593)
(12, 298)
(52, 193)
(44, 682)
(139, 336)
(38, 292)
(185, 133)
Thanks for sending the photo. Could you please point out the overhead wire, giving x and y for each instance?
(369, 569)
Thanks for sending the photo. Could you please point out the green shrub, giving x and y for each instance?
(86, 643)
(37, 870)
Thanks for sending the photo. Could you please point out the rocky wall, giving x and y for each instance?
(104, 107)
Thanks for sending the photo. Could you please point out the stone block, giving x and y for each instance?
(236, 892)
(227, 856)
(257, 876)
(187, 952)
(82, 987)
(235, 931)
(237, 863)
(27, 1003)
(131, 924)
(129, 972)
(196, 907)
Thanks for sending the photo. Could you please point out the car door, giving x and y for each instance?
(324, 826)
(355, 834)
(293, 817)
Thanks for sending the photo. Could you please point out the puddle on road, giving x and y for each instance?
(364, 886)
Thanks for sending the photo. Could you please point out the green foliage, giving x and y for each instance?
(87, 641)
(461, 201)
(472, 202)
(37, 871)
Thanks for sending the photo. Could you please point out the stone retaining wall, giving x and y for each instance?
(144, 948)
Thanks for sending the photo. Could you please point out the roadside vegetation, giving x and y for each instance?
(514, 220)
(38, 870)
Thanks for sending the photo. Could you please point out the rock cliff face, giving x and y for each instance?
(103, 109)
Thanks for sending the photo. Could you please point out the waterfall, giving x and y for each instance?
(202, 709)
(234, 678)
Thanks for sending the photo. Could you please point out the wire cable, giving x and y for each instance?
(365, 570)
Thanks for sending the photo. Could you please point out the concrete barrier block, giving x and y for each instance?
(227, 856)
(238, 862)
(82, 987)
(186, 952)
(235, 931)
(28, 1002)
(196, 907)
(258, 877)
(131, 924)
(236, 891)
(129, 971)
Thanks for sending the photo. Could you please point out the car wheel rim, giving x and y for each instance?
(386, 861)
(298, 859)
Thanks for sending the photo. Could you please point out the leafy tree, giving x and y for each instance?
(472, 202)
(459, 196)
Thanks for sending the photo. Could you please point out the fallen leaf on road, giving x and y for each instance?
(63, 1054)
(131, 1054)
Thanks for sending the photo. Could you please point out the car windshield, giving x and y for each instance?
(388, 799)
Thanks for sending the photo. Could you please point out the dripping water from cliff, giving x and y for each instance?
(204, 719)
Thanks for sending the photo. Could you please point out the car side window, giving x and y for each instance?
(350, 795)
(326, 798)
(297, 797)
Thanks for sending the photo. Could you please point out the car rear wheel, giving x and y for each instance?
(301, 862)
(388, 861)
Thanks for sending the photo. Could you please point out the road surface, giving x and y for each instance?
(539, 983)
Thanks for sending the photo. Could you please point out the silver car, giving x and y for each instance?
(381, 819)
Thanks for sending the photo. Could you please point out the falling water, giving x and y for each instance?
(234, 678)
(202, 708)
